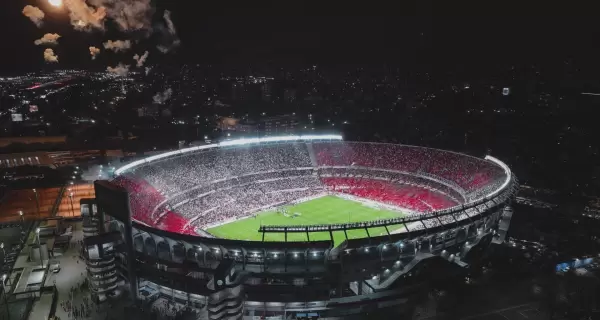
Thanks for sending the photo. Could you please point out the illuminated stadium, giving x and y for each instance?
(303, 224)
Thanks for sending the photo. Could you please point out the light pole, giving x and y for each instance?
(23, 236)
(37, 233)
(37, 202)
(72, 209)
(4, 293)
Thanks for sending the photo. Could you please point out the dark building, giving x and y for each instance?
(279, 125)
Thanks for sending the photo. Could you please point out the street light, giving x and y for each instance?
(37, 232)
(22, 219)
(72, 209)
(5, 294)
(37, 202)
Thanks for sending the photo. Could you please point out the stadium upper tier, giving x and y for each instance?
(194, 188)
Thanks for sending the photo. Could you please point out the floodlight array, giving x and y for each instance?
(236, 142)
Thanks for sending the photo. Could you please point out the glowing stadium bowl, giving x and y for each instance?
(234, 188)
(332, 213)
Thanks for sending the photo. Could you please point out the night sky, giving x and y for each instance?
(425, 35)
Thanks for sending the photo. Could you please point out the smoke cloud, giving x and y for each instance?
(141, 60)
(120, 70)
(170, 39)
(94, 52)
(34, 14)
(49, 56)
(170, 25)
(118, 45)
(84, 17)
(129, 15)
(161, 98)
(48, 38)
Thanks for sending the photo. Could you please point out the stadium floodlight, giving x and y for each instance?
(235, 142)
(238, 142)
(506, 181)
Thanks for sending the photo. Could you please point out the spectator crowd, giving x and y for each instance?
(199, 190)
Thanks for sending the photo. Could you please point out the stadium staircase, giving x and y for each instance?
(228, 296)
(407, 268)
(311, 153)
(503, 225)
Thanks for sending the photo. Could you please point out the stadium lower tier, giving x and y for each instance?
(210, 205)
(411, 197)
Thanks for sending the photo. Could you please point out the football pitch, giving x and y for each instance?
(324, 210)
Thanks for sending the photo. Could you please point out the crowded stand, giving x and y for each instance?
(447, 188)
(206, 187)
(241, 200)
(181, 173)
(414, 198)
(143, 197)
(469, 173)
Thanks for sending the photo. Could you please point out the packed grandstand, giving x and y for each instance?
(188, 191)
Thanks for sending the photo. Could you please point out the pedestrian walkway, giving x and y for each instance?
(41, 308)
(74, 301)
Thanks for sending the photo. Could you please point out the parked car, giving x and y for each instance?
(55, 266)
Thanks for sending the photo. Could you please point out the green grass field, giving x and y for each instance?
(324, 210)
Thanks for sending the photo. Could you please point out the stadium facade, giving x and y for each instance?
(152, 219)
